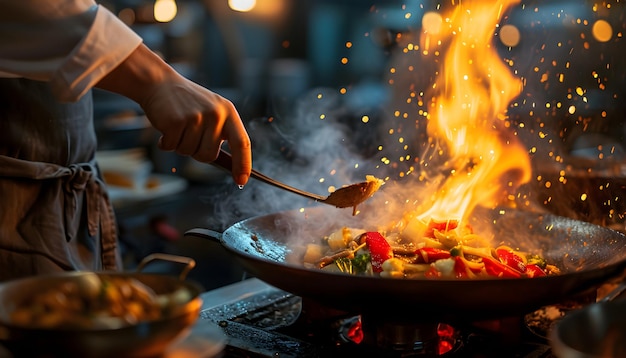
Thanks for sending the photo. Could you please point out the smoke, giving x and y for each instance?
(320, 145)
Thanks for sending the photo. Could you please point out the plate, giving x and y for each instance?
(167, 185)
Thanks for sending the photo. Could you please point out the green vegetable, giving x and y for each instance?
(357, 265)
(456, 251)
(361, 262)
(532, 259)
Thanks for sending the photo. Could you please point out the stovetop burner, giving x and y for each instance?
(260, 320)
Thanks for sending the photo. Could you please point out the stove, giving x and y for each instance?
(260, 320)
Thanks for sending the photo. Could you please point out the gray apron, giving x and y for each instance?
(54, 212)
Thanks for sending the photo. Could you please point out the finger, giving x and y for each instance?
(242, 163)
(240, 147)
(207, 150)
(211, 139)
(169, 141)
(162, 146)
(191, 142)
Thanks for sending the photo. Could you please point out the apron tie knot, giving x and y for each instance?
(81, 189)
(81, 183)
(78, 177)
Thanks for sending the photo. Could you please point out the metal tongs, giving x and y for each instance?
(345, 197)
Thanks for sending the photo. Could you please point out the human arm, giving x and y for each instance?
(76, 45)
(193, 120)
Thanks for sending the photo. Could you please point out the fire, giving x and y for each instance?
(471, 93)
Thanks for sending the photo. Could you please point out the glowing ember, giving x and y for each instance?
(468, 111)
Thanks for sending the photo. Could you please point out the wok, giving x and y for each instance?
(144, 339)
(270, 247)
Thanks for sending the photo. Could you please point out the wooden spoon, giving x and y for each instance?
(345, 197)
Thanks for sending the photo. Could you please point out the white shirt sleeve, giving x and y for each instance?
(70, 43)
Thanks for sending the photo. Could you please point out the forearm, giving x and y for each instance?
(138, 76)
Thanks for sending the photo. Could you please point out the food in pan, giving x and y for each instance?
(96, 301)
(441, 250)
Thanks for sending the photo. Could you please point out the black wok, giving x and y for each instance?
(270, 247)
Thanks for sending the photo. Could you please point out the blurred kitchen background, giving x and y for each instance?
(323, 84)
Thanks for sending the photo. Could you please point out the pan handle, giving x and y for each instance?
(616, 292)
(205, 234)
(187, 261)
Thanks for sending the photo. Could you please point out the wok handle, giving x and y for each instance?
(205, 234)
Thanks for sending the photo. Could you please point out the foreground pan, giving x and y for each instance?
(270, 247)
(144, 339)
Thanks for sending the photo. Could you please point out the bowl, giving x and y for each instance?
(595, 331)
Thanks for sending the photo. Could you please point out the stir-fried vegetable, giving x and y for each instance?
(358, 265)
(536, 260)
(97, 301)
(444, 250)
(380, 250)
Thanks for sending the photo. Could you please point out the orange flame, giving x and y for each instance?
(471, 94)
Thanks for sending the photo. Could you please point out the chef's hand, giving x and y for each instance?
(193, 121)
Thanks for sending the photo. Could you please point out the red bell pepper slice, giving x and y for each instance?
(431, 254)
(498, 269)
(460, 269)
(432, 273)
(511, 259)
(440, 226)
(380, 250)
(533, 270)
